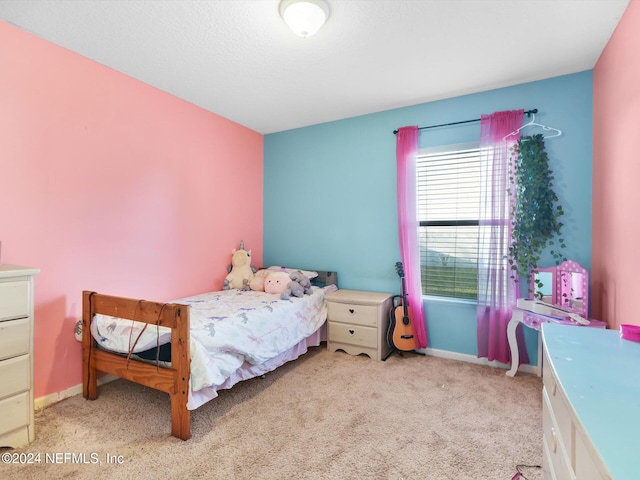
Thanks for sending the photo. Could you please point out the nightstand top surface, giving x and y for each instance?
(357, 297)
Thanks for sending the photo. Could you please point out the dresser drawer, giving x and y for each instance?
(353, 314)
(586, 466)
(14, 337)
(16, 375)
(556, 459)
(559, 407)
(14, 300)
(14, 412)
(560, 411)
(353, 334)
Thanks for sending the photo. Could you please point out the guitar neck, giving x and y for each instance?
(405, 304)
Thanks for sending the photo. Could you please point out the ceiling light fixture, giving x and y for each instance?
(304, 17)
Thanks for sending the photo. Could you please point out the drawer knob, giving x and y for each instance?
(352, 331)
(352, 311)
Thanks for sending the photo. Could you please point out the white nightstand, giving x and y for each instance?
(16, 355)
(358, 322)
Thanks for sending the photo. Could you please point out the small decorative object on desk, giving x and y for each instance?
(630, 332)
(556, 312)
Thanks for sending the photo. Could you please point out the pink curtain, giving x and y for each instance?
(406, 153)
(496, 289)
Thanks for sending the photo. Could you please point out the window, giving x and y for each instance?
(448, 194)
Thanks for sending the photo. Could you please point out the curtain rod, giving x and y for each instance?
(528, 113)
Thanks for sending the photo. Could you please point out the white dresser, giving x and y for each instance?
(358, 322)
(16, 355)
(591, 400)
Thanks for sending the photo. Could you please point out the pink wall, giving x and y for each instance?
(616, 175)
(108, 184)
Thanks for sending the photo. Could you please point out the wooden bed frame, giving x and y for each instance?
(174, 380)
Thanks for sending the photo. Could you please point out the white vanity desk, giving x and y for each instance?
(591, 400)
(566, 285)
(535, 321)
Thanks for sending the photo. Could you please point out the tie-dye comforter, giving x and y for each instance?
(227, 328)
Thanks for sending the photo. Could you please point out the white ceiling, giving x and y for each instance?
(238, 59)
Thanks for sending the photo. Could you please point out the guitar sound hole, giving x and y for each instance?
(352, 311)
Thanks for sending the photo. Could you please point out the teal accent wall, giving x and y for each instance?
(330, 190)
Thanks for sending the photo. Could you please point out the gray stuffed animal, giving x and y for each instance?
(293, 289)
(303, 280)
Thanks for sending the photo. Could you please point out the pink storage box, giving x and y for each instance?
(630, 332)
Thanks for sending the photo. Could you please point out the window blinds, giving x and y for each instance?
(448, 191)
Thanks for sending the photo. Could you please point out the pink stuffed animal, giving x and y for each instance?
(276, 282)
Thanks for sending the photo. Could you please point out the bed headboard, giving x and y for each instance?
(325, 278)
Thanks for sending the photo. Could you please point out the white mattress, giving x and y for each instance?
(231, 331)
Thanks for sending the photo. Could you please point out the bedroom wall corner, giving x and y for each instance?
(348, 222)
(111, 185)
(616, 225)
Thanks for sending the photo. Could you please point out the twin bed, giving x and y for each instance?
(193, 347)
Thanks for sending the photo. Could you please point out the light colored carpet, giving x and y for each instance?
(324, 416)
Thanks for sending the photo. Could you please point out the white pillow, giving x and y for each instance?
(307, 273)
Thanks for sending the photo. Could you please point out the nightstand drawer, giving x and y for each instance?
(14, 337)
(353, 314)
(357, 322)
(16, 375)
(353, 334)
(14, 300)
(15, 412)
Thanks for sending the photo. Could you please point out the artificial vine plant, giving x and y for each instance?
(535, 210)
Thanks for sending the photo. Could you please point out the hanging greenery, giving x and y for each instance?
(535, 210)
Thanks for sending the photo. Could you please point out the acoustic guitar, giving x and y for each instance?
(403, 334)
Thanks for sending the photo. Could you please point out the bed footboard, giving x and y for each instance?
(174, 380)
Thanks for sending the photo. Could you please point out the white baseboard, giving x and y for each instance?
(464, 357)
(52, 398)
